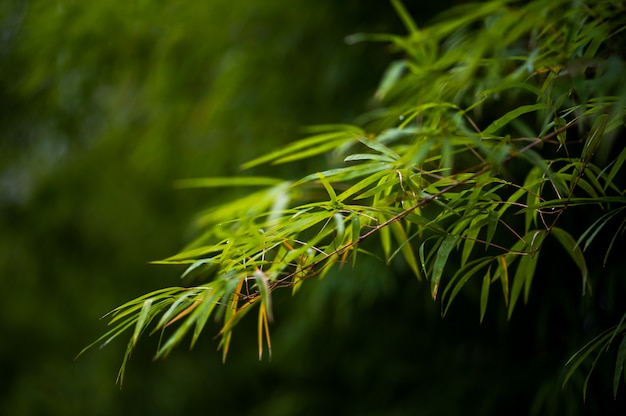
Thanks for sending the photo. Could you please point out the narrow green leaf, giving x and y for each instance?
(356, 234)
(581, 355)
(385, 238)
(143, 315)
(525, 272)
(367, 156)
(619, 231)
(308, 146)
(513, 114)
(174, 308)
(405, 246)
(390, 77)
(329, 188)
(349, 173)
(494, 218)
(381, 148)
(262, 283)
(227, 182)
(313, 151)
(595, 135)
(111, 334)
(422, 257)
(408, 21)
(484, 294)
(362, 184)
(617, 165)
(570, 246)
(532, 186)
(340, 229)
(597, 226)
(120, 373)
(619, 365)
(204, 312)
(503, 273)
(460, 278)
(440, 261)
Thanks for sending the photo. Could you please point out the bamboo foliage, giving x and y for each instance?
(497, 120)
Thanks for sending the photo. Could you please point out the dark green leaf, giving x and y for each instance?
(440, 261)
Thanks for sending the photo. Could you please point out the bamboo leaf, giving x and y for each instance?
(503, 273)
(262, 283)
(617, 165)
(440, 261)
(362, 184)
(512, 115)
(525, 272)
(570, 246)
(229, 317)
(593, 139)
(340, 229)
(494, 218)
(228, 182)
(484, 294)
(204, 312)
(405, 246)
(367, 156)
(174, 308)
(408, 21)
(141, 320)
(389, 79)
(460, 278)
(329, 189)
(381, 148)
(309, 146)
(619, 365)
(581, 355)
(597, 226)
(385, 239)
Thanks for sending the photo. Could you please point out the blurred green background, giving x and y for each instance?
(104, 105)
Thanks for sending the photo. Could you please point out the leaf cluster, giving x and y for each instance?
(496, 121)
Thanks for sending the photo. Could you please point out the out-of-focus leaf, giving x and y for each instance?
(307, 147)
(512, 115)
(389, 79)
(408, 21)
(381, 148)
(228, 182)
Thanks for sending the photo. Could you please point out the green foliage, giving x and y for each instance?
(497, 124)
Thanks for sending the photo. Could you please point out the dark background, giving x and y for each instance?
(104, 105)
